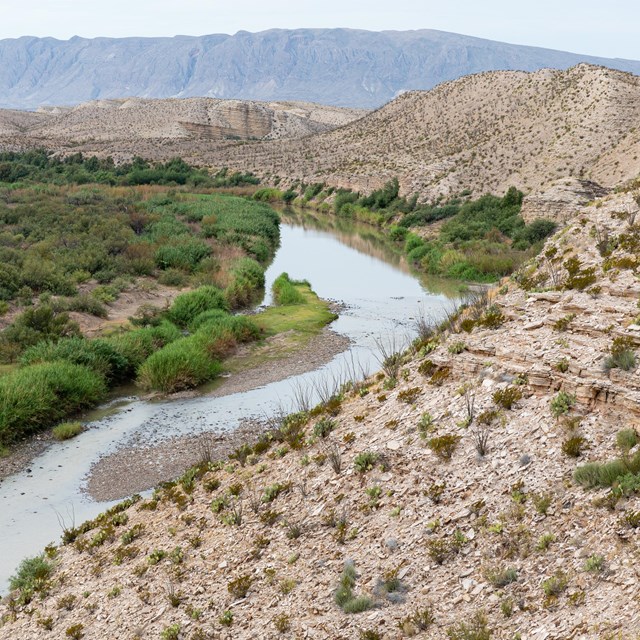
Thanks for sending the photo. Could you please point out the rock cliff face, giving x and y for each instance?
(331, 66)
(450, 494)
(559, 200)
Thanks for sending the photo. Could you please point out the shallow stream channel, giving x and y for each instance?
(378, 299)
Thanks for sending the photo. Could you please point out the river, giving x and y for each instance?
(379, 297)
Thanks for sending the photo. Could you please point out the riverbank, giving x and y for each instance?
(142, 465)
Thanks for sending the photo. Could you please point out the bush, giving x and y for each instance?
(507, 397)
(98, 355)
(444, 446)
(178, 366)
(137, 345)
(34, 397)
(344, 595)
(562, 403)
(189, 305)
(285, 292)
(476, 629)
(67, 430)
(626, 439)
(32, 575)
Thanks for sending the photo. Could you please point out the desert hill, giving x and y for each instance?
(200, 119)
(345, 67)
(444, 504)
(484, 132)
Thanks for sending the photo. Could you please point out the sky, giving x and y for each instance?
(609, 29)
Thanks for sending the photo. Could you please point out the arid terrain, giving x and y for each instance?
(483, 132)
(450, 496)
(125, 121)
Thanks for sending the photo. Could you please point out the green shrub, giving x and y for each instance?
(180, 365)
(98, 355)
(507, 397)
(192, 303)
(561, 403)
(34, 397)
(626, 439)
(556, 584)
(67, 430)
(476, 629)
(621, 355)
(32, 575)
(285, 292)
(137, 345)
(444, 446)
(365, 461)
(344, 595)
(501, 576)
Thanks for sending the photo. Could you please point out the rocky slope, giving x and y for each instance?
(133, 120)
(484, 133)
(344, 67)
(498, 535)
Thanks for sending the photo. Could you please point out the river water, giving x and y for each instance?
(380, 300)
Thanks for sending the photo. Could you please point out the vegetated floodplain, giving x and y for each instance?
(69, 250)
(478, 240)
(295, 323)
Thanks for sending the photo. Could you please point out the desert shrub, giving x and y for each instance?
(32, 575)
(285, 292)
(476, 629)
(492, 318)
(507, 397)
(501, 576)
(365, 461)
(67, 430)
(344, 596)
(594, 564)
(192, 303)
(573, 446)
(556, 584)
(34, 397)
(577, 277)
(621, 355)
(626, 439)
(444, 446)
(419, 620)
(239, 587)
(561, 403)
(180, 365)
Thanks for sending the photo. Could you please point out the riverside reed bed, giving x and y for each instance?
(69, 251)
(181, 348)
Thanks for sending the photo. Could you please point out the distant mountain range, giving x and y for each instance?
(342, 67)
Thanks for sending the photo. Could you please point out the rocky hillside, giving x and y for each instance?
(483, 132)
(444, 504)
(344, 67)
(155, 121)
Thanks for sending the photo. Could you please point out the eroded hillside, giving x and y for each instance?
(484, 132)
(443, 504)
(132, 120)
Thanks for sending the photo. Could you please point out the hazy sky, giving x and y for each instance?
(609, 29)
